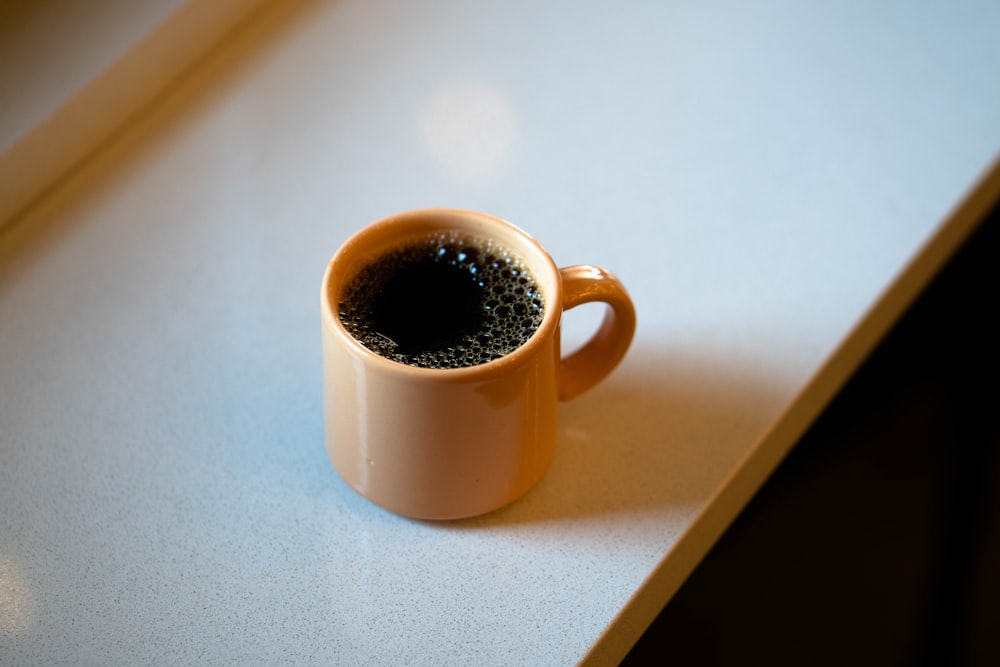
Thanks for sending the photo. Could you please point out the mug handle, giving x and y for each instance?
(591, 363)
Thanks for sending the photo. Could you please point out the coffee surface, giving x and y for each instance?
(444, 301)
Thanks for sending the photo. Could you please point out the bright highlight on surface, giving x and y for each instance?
(468, 130)
(15, 603)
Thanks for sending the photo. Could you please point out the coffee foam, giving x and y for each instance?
(511, 307)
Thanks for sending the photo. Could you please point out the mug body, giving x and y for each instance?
(440, 443)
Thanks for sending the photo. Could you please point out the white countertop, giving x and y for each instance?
(772, 183)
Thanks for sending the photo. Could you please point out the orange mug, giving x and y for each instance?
(447, 443)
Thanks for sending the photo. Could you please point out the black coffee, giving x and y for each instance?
(444, 301)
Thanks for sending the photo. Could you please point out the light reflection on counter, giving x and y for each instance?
(17, 613)
(468, 130)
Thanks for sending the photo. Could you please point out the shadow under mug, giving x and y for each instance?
(450, 443)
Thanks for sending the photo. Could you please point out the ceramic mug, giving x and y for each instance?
(436, 443)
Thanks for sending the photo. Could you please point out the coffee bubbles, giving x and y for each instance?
(446, 300)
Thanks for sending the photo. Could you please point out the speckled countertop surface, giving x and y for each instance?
(756, 175)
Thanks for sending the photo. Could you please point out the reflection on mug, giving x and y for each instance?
(468, 131)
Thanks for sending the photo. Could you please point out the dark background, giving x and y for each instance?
(877, 540)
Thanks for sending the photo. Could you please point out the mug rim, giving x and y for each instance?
(421, 221)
